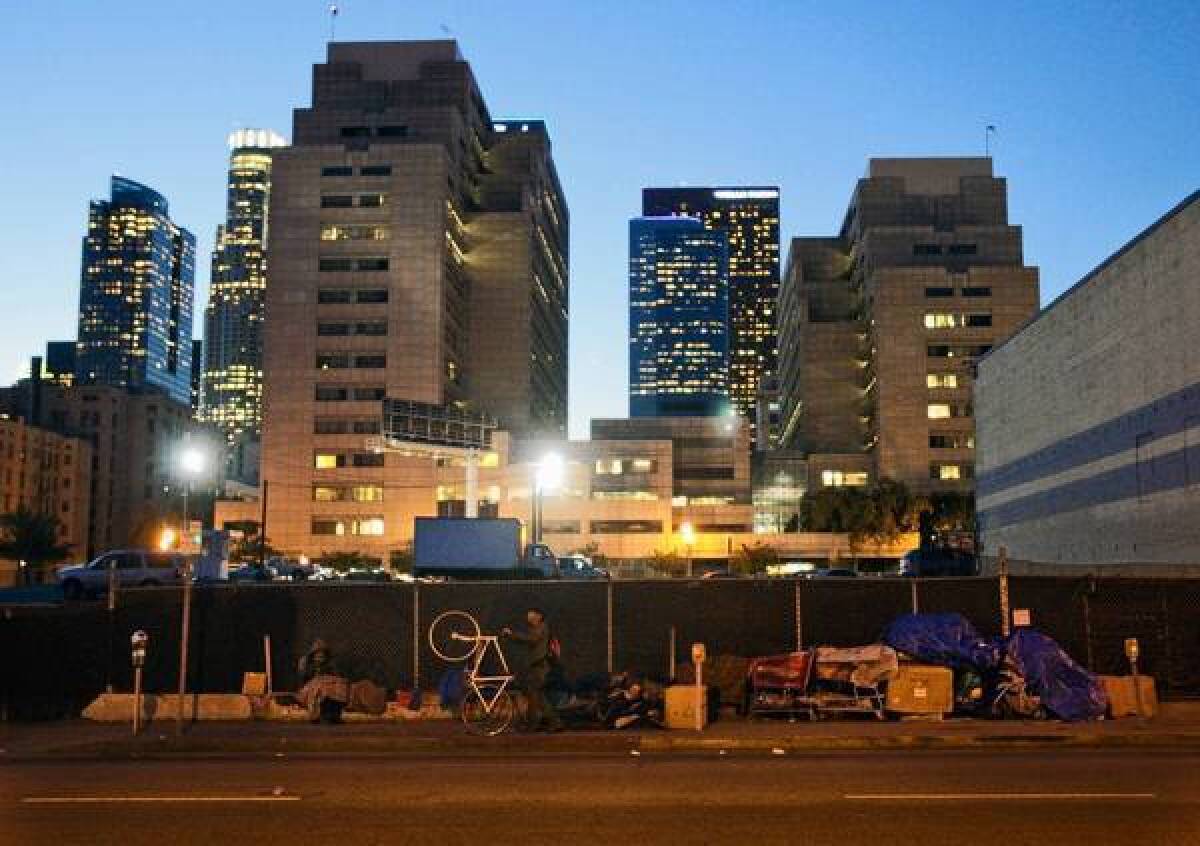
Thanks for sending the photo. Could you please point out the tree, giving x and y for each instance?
(593, 553)
(31, 537)
(753, 559)
(344, 561)
(251, 546)
(667, 563)
(881, 513)
(401, 560)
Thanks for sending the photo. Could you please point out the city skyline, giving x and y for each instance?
(1057, 128)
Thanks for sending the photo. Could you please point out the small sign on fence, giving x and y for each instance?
(1021, 617)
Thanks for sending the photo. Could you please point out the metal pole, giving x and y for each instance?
(916, 608)
(1002, 566)
(416, 637)
(137, 699)
(112, 623)
(472, 508)
(267, 662)
(671, 658)
(799, 618)
(262, 527)
(183, 649)
(700, 715)
(610, 627)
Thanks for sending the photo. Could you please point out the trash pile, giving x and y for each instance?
(930, 665)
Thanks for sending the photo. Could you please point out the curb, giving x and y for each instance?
(167, 747)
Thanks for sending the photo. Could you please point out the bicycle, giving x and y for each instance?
(488, 707)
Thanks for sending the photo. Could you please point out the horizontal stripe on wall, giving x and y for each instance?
(1176, 469)
(1168, 415)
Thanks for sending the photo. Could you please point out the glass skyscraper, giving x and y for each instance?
(233, 320)
(749, 217)
(136, 292)
(678, 318)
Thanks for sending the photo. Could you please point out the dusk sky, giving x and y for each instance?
(1097, 106)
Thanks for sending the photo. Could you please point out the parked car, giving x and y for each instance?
(364, 575)
(132, 568)
(579, 567)
(835, 573)
(252, 573)
(291, 569)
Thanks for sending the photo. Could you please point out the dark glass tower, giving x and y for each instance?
(136, 291)
(233, 320)
(678, 319)
(749, 217)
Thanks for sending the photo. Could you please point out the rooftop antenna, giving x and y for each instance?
(333, 13)
(446, 30)
(988, 132)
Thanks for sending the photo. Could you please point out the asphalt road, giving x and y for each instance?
(1127, 797)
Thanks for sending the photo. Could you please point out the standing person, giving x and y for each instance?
(536, 638)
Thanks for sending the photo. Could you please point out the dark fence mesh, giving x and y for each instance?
(849, 612)
(731, 617)
(58, 659)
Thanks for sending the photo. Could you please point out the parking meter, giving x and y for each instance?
(699, 653)
(1131, 652)
(1131, 648)
(137, 654)
(138, 648)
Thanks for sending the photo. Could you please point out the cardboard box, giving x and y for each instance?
(1122, 696)
(681, 706)
(921, 689)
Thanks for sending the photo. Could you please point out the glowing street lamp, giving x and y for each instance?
(192, 462)
(688, 535)
(549, 475)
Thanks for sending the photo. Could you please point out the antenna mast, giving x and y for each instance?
(333, 13)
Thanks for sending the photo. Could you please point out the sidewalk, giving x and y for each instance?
(1178, 726)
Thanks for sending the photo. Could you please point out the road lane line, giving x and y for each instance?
(91, 800)
(1007, 797)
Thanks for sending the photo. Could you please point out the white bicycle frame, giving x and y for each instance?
(483, 645)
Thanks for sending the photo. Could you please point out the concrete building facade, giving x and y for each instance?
(418, 252)
(1089, 417)
(881, 325)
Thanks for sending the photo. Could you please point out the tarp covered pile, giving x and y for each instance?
(1065, 689)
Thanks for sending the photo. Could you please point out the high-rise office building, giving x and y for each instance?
(881, 324)
(418, 252)
(678, 318)
(59, 365)
(749, 217)
(136, 291)
(233, 320)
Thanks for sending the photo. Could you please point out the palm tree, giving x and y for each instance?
(32, 537)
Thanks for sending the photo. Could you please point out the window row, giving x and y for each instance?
(347, 493)
(951, 472)
(620, 466)
(949, 249)
(373, 200)
(941, 380)
(951, 320)
(947, 410)
(843, 478)
(354, 232)
(361, 526)
(966, 292)
(964, 351)
(362, 327)
(346, 426)
(363, 264)
(365, 170)
(391, 131)
(343, 393)
(952, 440)
(341, 296)
(343, 360)
(334, 460)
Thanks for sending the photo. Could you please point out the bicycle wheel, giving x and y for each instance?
(443, 631)
(488, 712)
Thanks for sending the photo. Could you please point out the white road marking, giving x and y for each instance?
(91, 800)
(1008, 797)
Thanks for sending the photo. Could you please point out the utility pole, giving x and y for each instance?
(262, 527)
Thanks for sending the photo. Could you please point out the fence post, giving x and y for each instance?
(1087, 632)
(1002, 568)
(610, 627)
(416, 637)
(799, 616)
(916, 605)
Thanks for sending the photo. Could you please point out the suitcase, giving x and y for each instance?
(921, 689)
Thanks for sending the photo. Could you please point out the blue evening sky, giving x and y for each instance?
(1097, 104)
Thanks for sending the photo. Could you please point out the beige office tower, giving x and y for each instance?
(880, 326)
(418, 252)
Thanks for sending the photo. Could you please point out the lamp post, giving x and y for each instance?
(688, 535)
(191, 462)
(548, 477)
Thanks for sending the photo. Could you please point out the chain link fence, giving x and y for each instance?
(58, 659)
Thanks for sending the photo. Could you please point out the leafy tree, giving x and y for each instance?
(251, 546)
(592, 551)
(32, 537)
(879, 514)
(401, 560)
(668, 563)
(344, 561)
(753, 559)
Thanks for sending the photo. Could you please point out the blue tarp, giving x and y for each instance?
(1066, 689)
(948, 640)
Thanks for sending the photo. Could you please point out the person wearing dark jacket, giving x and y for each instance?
(536, 638)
